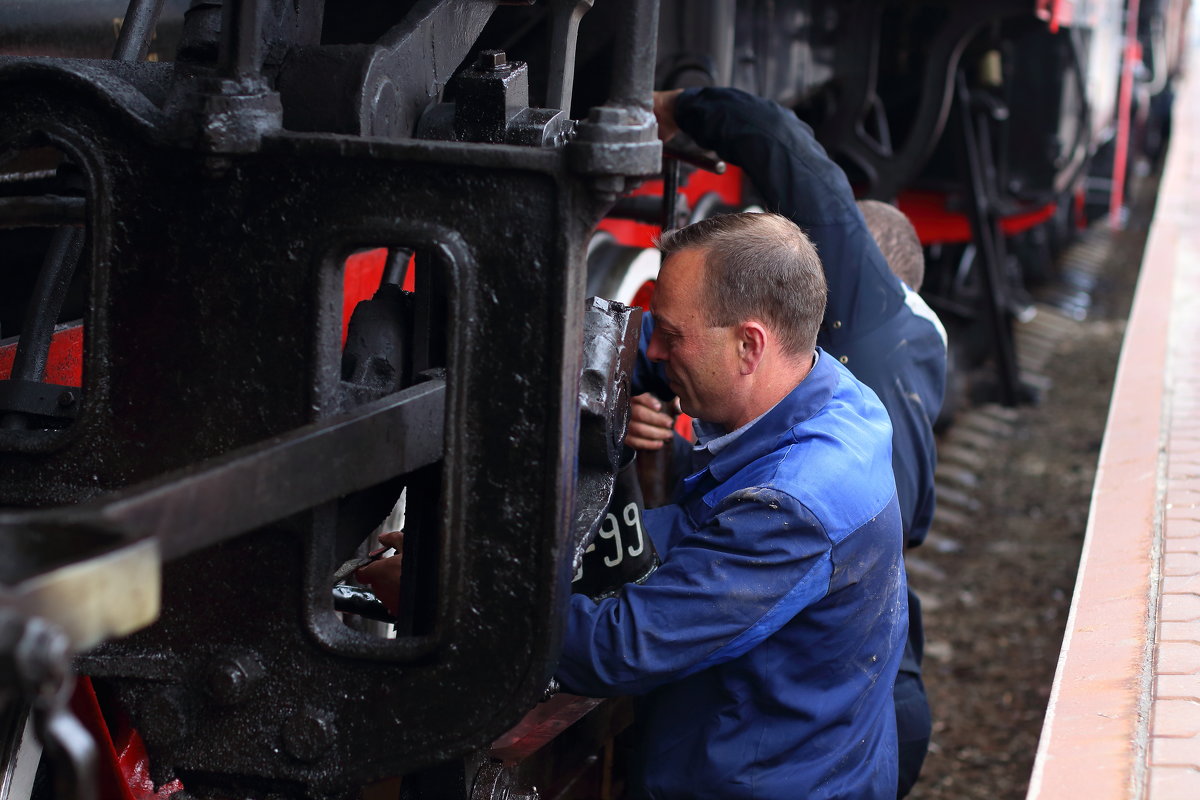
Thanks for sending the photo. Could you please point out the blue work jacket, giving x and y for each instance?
(888, 338)
(767, 642)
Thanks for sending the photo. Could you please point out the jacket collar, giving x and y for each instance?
(810, 396)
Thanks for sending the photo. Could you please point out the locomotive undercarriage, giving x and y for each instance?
(221, 443)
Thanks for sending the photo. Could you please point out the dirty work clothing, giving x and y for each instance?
(767, 643)
(896, 348)
(882, 331)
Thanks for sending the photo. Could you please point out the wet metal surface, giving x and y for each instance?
(213, 358)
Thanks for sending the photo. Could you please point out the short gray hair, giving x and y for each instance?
(897, 240)
(759, 266)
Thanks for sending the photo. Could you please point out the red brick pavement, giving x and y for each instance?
(1124, 715)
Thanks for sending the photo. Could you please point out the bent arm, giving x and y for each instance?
(777, 151)
(722, 590)
(795, 177)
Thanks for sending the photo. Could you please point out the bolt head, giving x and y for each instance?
(230, 680)
(492, 60)
(307, 736)
(227, 683)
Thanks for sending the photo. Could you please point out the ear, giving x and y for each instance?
(752, 345)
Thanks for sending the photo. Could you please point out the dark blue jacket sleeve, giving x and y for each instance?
(796, 178)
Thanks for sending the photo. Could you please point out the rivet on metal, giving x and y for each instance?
(306, 736)
(230, 679)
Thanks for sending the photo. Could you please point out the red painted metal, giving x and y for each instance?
(683, 426)
(361, 278)
(643, 296)
(1056, 13)
(135, 766)
(1133, 52)
(1080, 201)
(635, 234)
(541, 725)
(64, 364)
(124, 771)
(937, 225)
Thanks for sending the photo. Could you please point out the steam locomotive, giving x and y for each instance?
(275, 270)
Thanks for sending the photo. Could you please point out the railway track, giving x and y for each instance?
(996, 575)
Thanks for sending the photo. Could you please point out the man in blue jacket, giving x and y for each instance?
(766, 644)
(874, 324)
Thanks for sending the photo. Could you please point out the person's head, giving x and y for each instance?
(737, 307)
(897, 240)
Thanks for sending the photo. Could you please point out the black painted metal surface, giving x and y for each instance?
(213, 199)
(215, 242)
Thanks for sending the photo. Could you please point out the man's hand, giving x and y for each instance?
(383, 576)
(664, 112)
(649, 427)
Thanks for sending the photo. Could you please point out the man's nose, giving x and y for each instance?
(654, 349)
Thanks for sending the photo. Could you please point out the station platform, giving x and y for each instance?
(1123, 719)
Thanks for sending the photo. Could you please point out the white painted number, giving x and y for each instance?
(634, 520)
(611, 529)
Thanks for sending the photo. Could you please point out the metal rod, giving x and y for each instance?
(241, 38)
(989, 241)
(646, 209)
(137, 30)
(197, 507)
(1124, 106)
(670, 198)
(632, 82)
(695, 158)
(45, 304)
(41, 211)
(396, 269)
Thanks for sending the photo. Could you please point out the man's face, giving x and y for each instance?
(700, 360)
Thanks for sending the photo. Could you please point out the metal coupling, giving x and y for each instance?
(617, 141)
